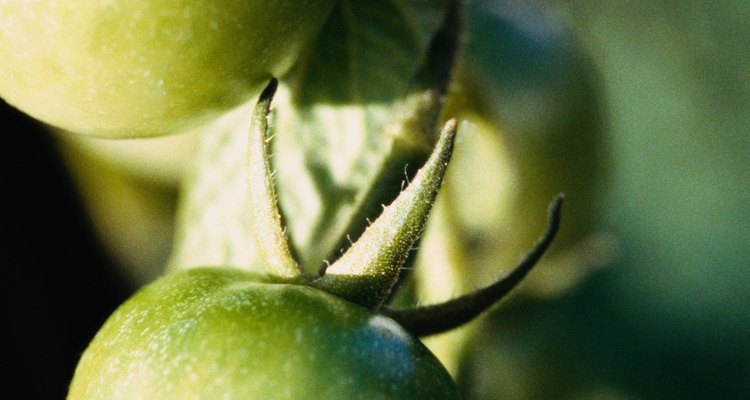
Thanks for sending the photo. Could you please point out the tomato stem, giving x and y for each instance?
(270, 238)
(442, 317)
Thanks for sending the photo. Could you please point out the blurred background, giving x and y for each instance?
(642, 112)
(668, 316)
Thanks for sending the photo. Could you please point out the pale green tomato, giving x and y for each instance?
(122, 68)
(528, 91)
(220, 333)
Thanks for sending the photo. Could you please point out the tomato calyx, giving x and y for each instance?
(368, 271)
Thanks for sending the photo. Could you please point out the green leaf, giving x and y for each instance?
(213, 221)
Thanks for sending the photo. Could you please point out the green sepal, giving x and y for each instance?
(438, 318)
(369, 269)
(270, 238)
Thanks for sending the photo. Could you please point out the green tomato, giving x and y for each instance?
(220, 333)
(120, 68)
(529, 91)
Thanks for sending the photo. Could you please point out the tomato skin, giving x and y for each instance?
(219, 333)
(125, 68)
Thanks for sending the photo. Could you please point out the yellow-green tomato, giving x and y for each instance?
(219, 333)
(122, 68)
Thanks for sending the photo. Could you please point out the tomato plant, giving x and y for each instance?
(221, 332)
(114, 68)
(144, 67)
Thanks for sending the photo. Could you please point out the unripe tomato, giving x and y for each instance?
(219, 333)
(528, 89)
(123, 68)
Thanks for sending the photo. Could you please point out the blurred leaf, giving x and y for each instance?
(130, 205)
(213, 221)
(161, 160)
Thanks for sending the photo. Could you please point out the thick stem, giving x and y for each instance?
(437, 318)
(273, 247)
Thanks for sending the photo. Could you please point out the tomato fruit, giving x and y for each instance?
(220, 333)
(528, 89)
(123, 68)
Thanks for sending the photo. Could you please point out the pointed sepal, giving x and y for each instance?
(369, 269)
(270, 238)
(438, 318)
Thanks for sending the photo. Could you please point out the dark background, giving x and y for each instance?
(58, 284)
